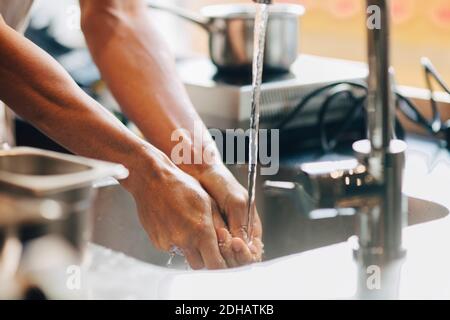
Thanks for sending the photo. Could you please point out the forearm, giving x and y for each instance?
(40, 91)
(125, 44)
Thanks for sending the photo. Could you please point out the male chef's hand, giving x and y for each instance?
(231, 198)
(124, 40)
(175, 210)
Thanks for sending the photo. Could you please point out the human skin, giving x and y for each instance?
(124, 43)
(176, 205)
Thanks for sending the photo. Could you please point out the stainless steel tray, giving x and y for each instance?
(41, 173)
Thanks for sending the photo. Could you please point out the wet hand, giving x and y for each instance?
(175, 210)
(231, 219)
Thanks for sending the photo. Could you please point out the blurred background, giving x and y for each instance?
(330, 28)
(334, 28)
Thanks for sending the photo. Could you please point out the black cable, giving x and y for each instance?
(435, 126)
(409, 110)
(356, 106)
(288, 118)
(431, 72)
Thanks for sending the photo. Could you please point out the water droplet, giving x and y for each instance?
(175, 262)
(171, 257)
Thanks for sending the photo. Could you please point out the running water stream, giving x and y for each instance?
(261, 20)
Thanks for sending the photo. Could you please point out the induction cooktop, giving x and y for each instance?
(223, 100)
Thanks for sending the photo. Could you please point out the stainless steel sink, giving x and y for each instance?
(287, 230)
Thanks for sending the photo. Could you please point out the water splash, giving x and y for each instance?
(177, 259)
(170, 262)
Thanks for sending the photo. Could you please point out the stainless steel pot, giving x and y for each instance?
(230, 29)
(42, 194)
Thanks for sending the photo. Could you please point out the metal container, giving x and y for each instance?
(231, 29)
(45, 193)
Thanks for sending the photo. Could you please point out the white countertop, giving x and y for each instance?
(325, 273)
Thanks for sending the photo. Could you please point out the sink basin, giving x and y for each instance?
(305, 258)
(287, 230)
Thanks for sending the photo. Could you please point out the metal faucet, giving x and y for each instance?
(372, 182)
(383, 156)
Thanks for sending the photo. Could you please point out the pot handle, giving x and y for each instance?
(191, 16)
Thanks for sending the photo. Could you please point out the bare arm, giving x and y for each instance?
(39, 90)
(173, 207)
(140, 72)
